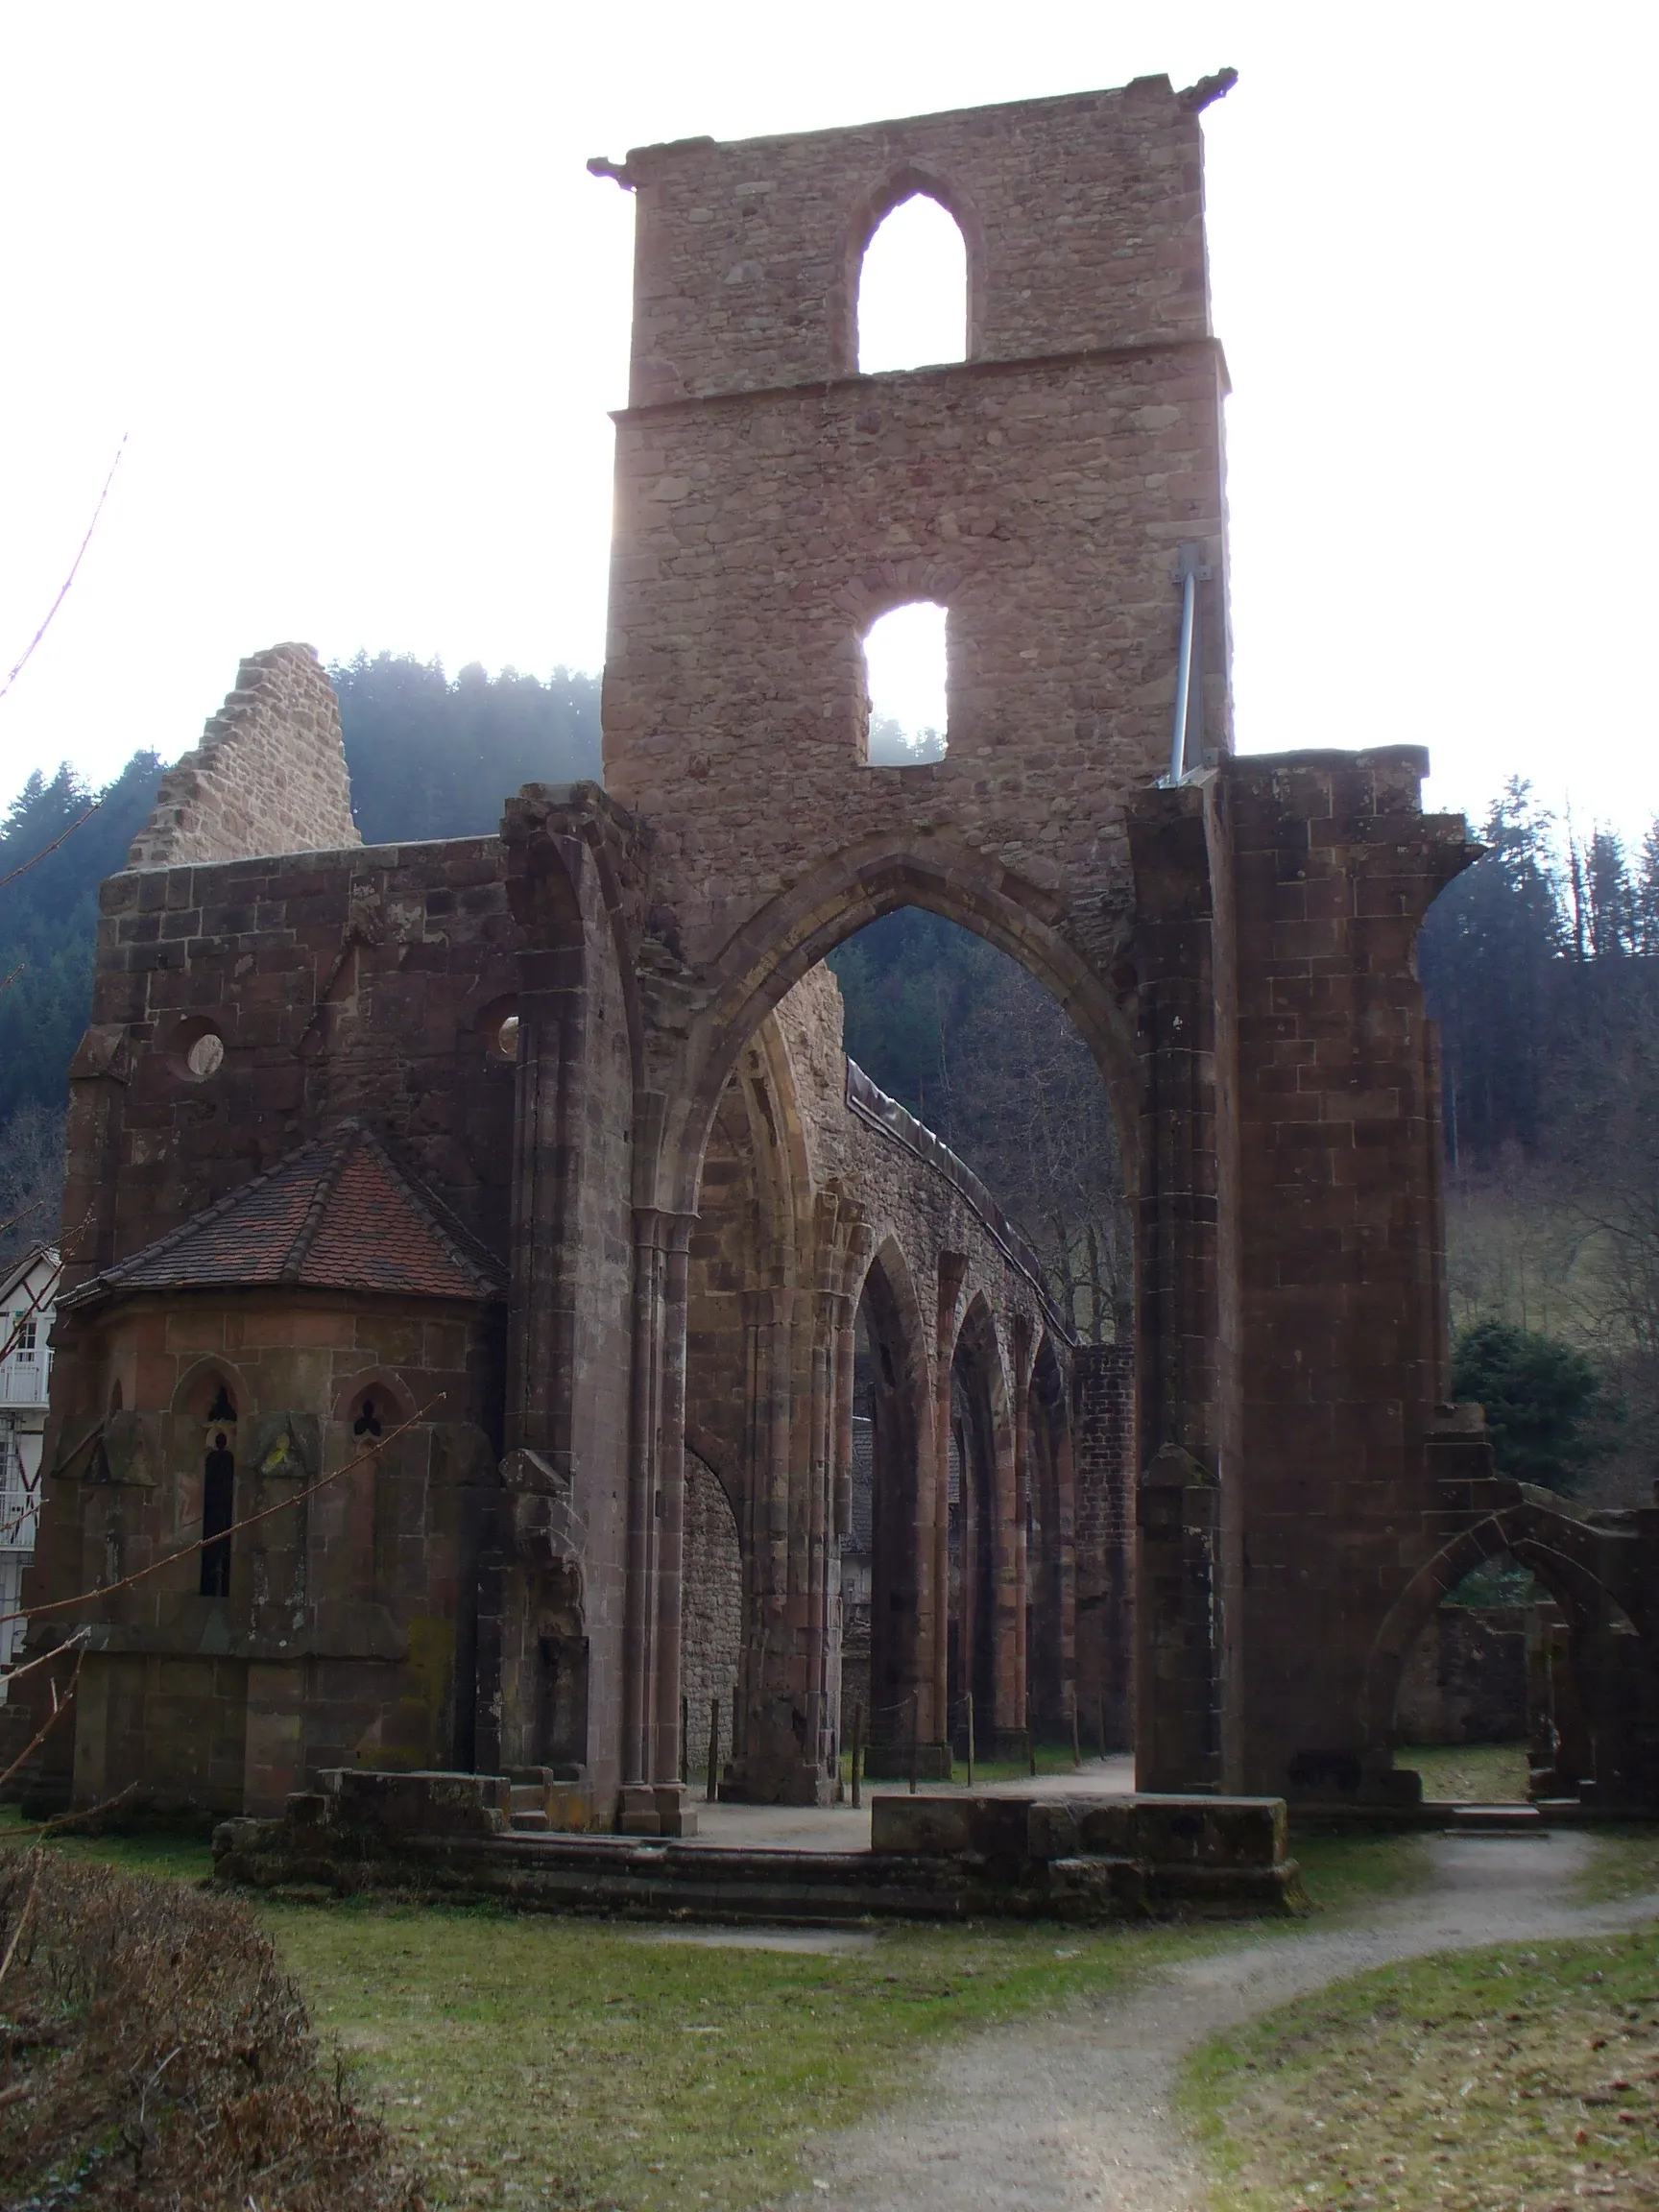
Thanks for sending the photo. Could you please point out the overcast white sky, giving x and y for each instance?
(341, 274)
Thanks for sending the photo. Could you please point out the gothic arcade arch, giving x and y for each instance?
(793, 932)
(1562, 1552)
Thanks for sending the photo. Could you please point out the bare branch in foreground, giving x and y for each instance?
(62, 594)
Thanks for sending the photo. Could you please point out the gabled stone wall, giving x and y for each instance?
(346, 983)
(269, 775)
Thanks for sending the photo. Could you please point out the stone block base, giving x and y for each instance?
(933, 1858)
(656, 1809)
(800, 1785)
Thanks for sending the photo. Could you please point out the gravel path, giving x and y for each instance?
(1074, 2111)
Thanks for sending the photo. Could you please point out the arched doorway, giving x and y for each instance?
(1475, 1711)
(1594, 1694)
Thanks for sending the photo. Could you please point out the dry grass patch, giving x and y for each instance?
(1513, 2079)
(156, 2056)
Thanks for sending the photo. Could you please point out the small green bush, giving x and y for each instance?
(1536, 1391)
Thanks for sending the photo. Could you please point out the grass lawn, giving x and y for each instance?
(561, 2062)
(1346, 1872)
(1625, 1863)
(1484, 2081)
(1470, 1773)
(545, 2062)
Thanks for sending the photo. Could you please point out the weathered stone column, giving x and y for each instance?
(655, 1526)
(1007, 1578)
(639, 1616)
(810, 1564)
(773, 1764)
(933, 1543)
(1185, 1248)
(1338, 1111)
(1178, 1681)
(576, 1474)
(552, 1012)
(669, 1501)
(1017, 1598)
(1098, 1480)
(841, 1497)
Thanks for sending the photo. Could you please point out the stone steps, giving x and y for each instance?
(1497, 1821)
(527, 1810)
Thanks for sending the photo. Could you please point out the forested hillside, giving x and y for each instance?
(1541, 964)
(435, 757)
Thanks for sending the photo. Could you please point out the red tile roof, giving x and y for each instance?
(337, 1214)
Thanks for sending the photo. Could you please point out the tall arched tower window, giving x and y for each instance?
(913, 289)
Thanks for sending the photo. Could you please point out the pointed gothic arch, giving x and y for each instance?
(905, 180)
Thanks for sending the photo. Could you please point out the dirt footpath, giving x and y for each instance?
(1075, 2111)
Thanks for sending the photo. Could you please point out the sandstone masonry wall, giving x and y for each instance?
(746, 255)
(1103, 1461)
(1465, 1681)
(1041, 507)
(268, 777)
(771, 503)
(712, 1609)
(347, 983)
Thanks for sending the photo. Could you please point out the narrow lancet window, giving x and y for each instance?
(218, 1511)
(913, 291)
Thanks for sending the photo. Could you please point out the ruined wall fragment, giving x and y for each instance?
(268, 777)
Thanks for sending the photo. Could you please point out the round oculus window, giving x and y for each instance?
(206, 1056)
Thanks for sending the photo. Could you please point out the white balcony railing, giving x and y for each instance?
(24, 1382)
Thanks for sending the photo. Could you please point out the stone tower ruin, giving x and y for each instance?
(675, 1309)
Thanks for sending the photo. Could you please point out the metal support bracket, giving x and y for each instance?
(1190, 569)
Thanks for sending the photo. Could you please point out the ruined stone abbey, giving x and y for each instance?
(526, 1175)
